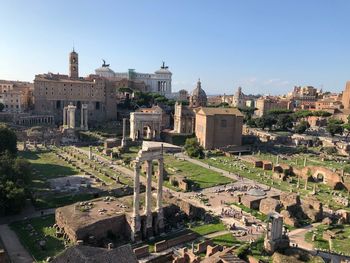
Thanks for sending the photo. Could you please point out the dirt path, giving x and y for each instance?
(17, 253)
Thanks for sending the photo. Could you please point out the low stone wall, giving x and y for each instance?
(115, 224)
(212, 250)
(141, 252)
(202, 246)
(165, 244)
(193, 212)
(269, 205)
(332, 179)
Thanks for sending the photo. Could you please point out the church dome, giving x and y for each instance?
(198, 91)
(198, 97)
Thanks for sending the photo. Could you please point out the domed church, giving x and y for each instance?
(198, 97)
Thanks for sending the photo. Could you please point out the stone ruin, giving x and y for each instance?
(275, 238)
(151, 225)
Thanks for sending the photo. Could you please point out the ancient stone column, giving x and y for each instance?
(136, 224)
(148, 200)
(124, 133)
(159, 208)
(90, 152)
(71, 113)
(65, 116)
(82, 126)
(86, 117)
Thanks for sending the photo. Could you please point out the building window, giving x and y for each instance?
(223, 123)
(97, 106)
(58, 104)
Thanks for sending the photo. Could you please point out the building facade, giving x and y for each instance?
(17, 96)
(53, 92)
(346, 96)
(239, 99)
(265, 104)
(158, 82)
(184, 119)
(219, 127)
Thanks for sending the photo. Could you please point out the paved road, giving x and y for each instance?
(297, 236)
(17, 253)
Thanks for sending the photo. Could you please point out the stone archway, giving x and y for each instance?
(145, 125)
(319, 177)
(147, 133)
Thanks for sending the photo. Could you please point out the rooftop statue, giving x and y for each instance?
(104, 64)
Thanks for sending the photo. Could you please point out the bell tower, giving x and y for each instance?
(73, 65)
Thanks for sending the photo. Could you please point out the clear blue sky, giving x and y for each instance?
(266, 46)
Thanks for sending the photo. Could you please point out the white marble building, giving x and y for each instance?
(159, 81)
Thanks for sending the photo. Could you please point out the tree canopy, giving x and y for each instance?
(335, 126)
(8, 141)
(193, 149)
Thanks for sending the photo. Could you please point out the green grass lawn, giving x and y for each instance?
(48, 164)
(42, 226)
(208, 228)
(253, 212)
(53, 201)
(225, 240)
(341, 242)
(201, 176)
(324, 191)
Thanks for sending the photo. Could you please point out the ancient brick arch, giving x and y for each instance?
(324, 175)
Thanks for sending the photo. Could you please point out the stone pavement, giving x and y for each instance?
(14, 248)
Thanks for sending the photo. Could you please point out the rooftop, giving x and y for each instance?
(219, 111)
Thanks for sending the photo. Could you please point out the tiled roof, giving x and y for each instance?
(219, 111)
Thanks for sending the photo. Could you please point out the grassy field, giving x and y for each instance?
(42, 227)
(341, 242)
(208, 228)
(297, 160)
(228, 164)
(225, 240)
(53, 201)
(201, 176)
(47, 166)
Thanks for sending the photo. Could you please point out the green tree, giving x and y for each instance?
(15, 176)
(12, 197)
(8, 140)
(334, 126)
(193, 149)
(265, 121)
(321, 113)
(300, 114)
(248, 112)
(284, 122)
(2, 106)
(346, 128)
(301, 127)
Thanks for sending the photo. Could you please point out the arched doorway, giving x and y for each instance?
(319, 177)
(147, 132)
